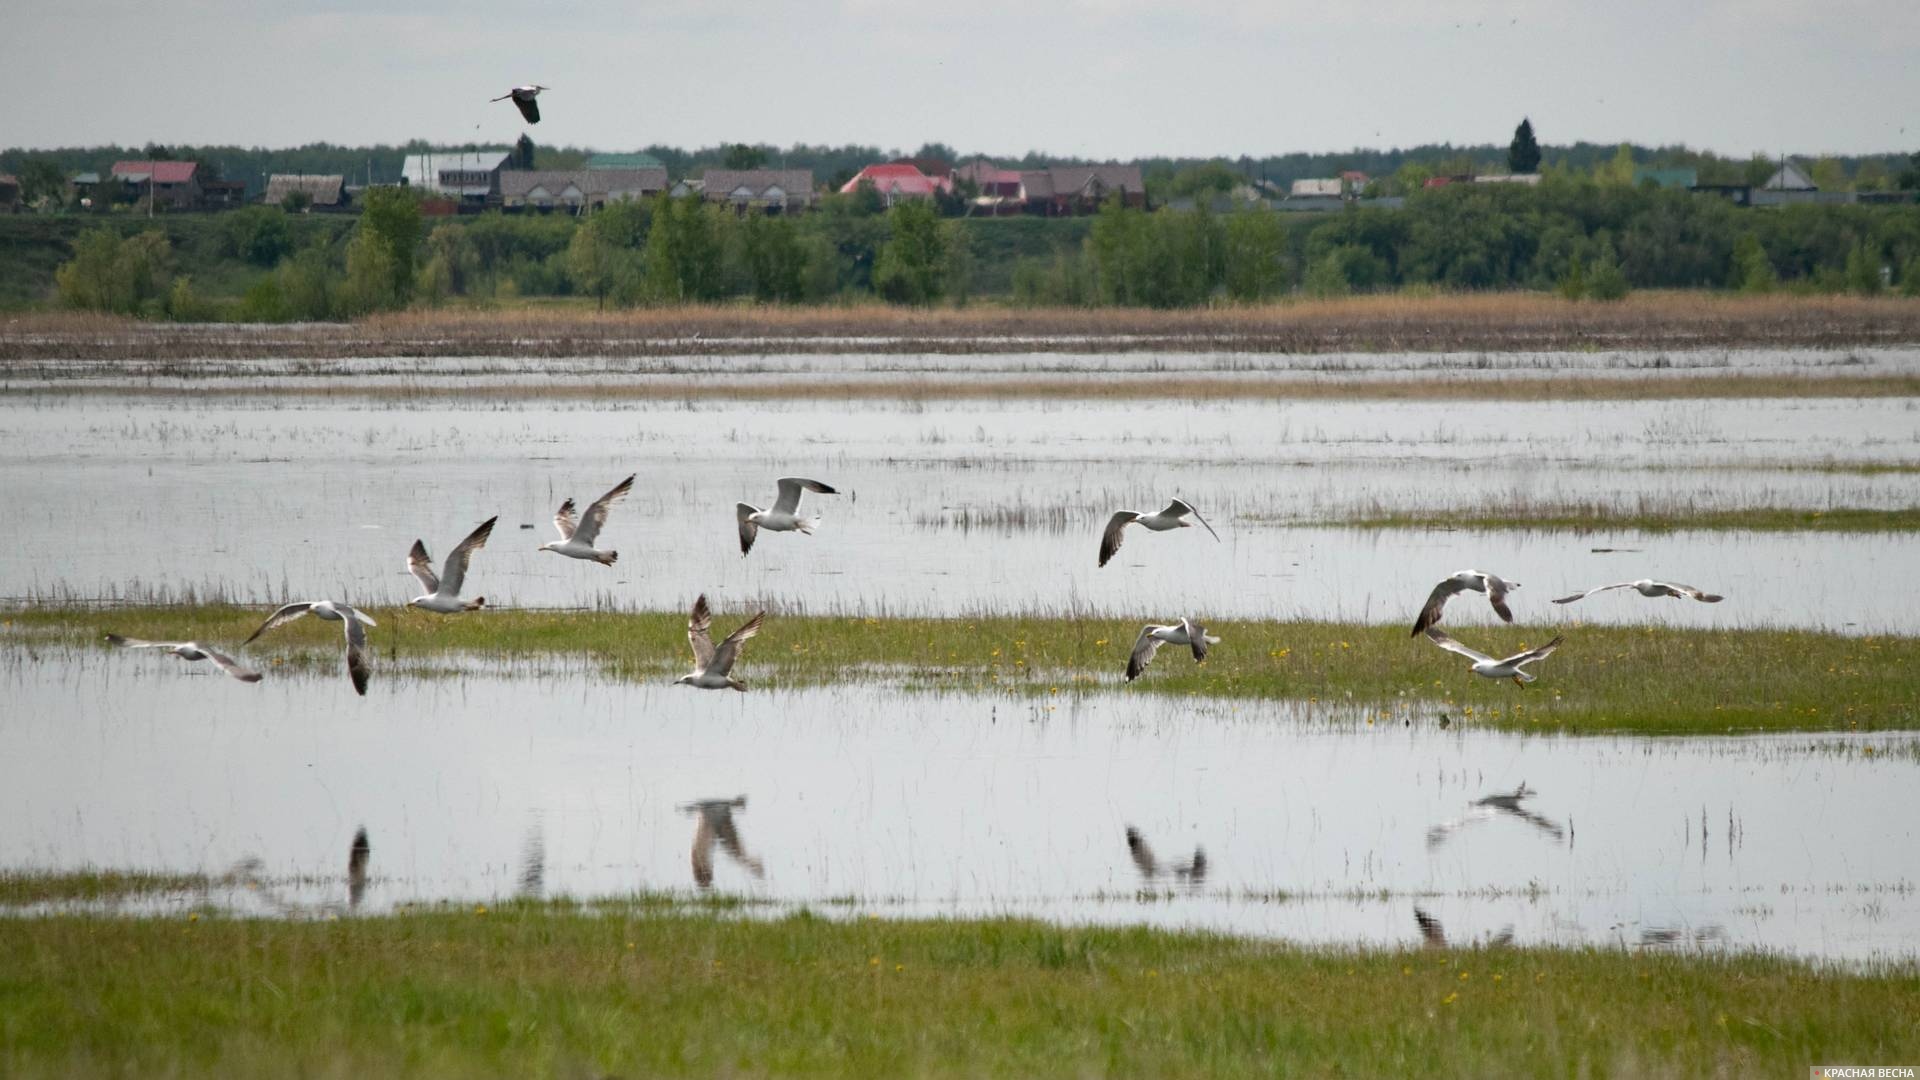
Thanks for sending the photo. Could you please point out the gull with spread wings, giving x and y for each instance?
(713, 666)
(191, 650)
(443, 592)
(358, 658)
(525, 98)
(1649, 587)
(1495, 586)
(784, 517)
(1173, 517)
(1186, 632)
(1512, 667)
(576, 539)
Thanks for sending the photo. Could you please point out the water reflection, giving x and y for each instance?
(1434, 936)
(714, 825)
(1190, 872)
(357, 857)
(1492, 806)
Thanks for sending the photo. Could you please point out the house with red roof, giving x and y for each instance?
(895, 181)
(172, 184)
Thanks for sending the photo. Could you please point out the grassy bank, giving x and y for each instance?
(551, 990)
(1395, 322)
(1604, 679)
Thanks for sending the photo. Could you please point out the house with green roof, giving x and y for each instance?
(624, 161)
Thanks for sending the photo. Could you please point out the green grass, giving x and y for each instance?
(1598, 517)
(556, 990)
(19, 887)
(1638, 679)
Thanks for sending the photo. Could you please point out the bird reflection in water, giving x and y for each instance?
(1496, 805)
(533, 862)
(1434, 936)
(1192, 872)
(714, 826)
(357, 857)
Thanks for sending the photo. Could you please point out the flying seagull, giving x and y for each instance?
(1649, 587)
(576, 541)
(523, 99)
(1492, 806)
(443, 592)
(716, 827)
(1185, 632)
(713, 667)
(333, 611)
(1173, 517)
(782, 518)
(1511, 667)
(1495, 586)
(357, 857)
(191, 650)
(1152, 869)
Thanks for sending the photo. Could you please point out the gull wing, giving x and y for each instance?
(596, 515)
(1181, 508)
(1497, 589)
(1540, 653)
(1110, 539)
(1546, 825)
(286, 614)
(727, 832)
(1145, 647)
(729, 650)
(228, 664)
(1431, 931)
(790, 489)
(748, 530)
(1196, 639)
(1436, 601)
(1595, 589)
(1690, 591)
(421, 567)
(136, 643)
(563, 520)
(1142, 855)
(1439, 637)
(455, 573)
(359, 667)
(699, 635)
(703, 841)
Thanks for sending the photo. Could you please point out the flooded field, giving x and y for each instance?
(867, 799)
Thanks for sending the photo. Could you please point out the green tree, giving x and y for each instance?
(108, 273)
(1752, 271)
(1872, 176)
(523, 152)
(1605, 281)
(685, 257)
(742, 156)
(41, 180)
(373, 279)
(1617, 171)
(258, 234)
(1828, 174)
(451, 265)
(911, 267)
(1910, 277)
(776, 260)
(603, 258)
(1117, 253)
(1573, 281)
(1523, 154)
(1256, 252)
(390, 220)
(1909, 179)
(1200, 181)
(1863, 269)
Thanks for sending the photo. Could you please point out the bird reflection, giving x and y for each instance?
(357, 857)
(533, 862)
(1434, 936)
(1492, 806)
(1191, 872)
(1669, 937)
(714, 825)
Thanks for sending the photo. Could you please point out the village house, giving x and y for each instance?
(174, 185)
(1068, 190)
(770, 191)
(574, 190)
(895, 181)
(322, 193)
(996, 190)
(223, 194)
(9, 193)
(472, 180)
(624, 161)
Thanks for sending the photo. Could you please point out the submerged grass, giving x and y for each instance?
(1640, 679)
(1589, 517)
(552, 989)
(19, 887)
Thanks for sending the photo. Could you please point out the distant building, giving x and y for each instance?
(895, 181)
(577, 189)
(9, 193)
(624, 161)
(687, 186)
(1067, 190)
(323, 193)
(471, 179)
(223, 194)
(1737, 194)
(1790, 177)
(1307, 189)
(1683, 179)
(772, 191)
(173, 184)
(1531, 179)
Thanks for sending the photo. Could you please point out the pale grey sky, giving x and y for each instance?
(1102, 78)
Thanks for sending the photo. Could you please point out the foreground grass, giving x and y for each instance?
(1601, 516)
(1604, 679)
(554, 990)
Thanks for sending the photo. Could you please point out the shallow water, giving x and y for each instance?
(954, 507)
(868, 798)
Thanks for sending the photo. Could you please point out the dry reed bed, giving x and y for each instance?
(1383, 323)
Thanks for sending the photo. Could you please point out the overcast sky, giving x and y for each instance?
(1100, 78)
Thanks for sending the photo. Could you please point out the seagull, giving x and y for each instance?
(357, 857)
(1492, 806)
(782, 518)
(1173, 517)
(191, 650)
(1185, 632)
(716, 827)
(332, 611)
(1509, 668)
(1649, 587)
(1151, 869)
(1495, 586)
(523, 99)
(443, 592)
(1434, 936)
(712, 668)
(576, 541)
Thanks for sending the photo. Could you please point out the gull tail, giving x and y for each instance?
(607, 558)
(807, 525)
(477, 603)
(1523, 677)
